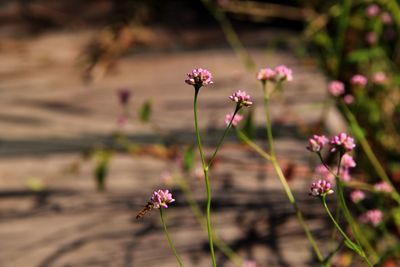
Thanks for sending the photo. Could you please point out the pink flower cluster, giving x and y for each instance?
(336, 88)
(383, 187)
(357, 196)
(161, 198)
(359, 80)
(342, 142)
(316, 143)
(241, 98)
(373, 217)
(235, 120)
(280, 73)
(320, 188)
(379, 77)
(199, 77)
(372, 10)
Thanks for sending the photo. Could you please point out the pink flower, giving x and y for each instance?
(348, 161)
(283, 73)
(336, 88)
(359, 80)
(386, 18)
(235, 121)
(383, 187)
(199, 77)
(241, 98)
(374, 217)
(342, 142)
(266, 74)
(316, 143)
(371, 38)
(357, 195)
(379, 77)
(323, 172)
(161, 198)
(348, 99)
(320, 188)
(249, 263)
(372, 10)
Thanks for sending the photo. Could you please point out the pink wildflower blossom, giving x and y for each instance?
(336, 88)
(199, 77)
(379, 77)
(241, 98)
(343, 142)
(321, 187)
(371, 38)
(359, 80)
(266, 74)
(249, 263)
(383, 187)
(372, 10)
(374, 217)
(348, 99)
(357, 196)
(161, 198)
(323, 172)
(386, 18)
(283, 73)
(348, 161)
(317, 143)
(236, 119)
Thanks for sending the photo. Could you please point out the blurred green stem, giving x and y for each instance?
(171, 245)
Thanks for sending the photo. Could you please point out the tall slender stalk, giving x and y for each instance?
(206, 179)
(171, 245)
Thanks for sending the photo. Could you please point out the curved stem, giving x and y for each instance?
(253, 145)
(207, 182)
(171, 245)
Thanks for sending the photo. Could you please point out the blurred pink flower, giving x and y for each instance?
(359, 80)
(343, 142)
(348, 99)
(371, 38)
(199, 77)
(166, 177)
(374, 217)
(249, 263)
(321, 187)
(161, 198)
(379, 77)
(235, 121)
(266, 74)
(241, 98)
(283, 73)
(386, 18)
(348, 161)
(336, 88)
(357, 195)
(122, 121)
(373, 10)
(323, 172)
(383, 187)
(317, 143)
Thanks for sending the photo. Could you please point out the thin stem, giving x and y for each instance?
(221, 140)
(171, 245)
(357, 131)
(207, 182)
(253, 145)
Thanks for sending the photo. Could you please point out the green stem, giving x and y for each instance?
(171, 245)
(253, 145)
(207, 182)
(225, 249)
(358, 132)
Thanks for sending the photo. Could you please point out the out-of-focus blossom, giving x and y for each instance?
(372, 10)
(371, 38)
(266, 74)
(348, 99)
(359, 80)
(320, 188)
(198, 173)
(348, 161)
(323, 172)
(283, 73)
(124, 96)
(386, 18)
(249, 263)
(374, 217)
(379, 77)
(199, 77)
(122, 121)
(166, 177)
(336, 88)
(342, 142)
(236, 119)
(241, 98)
(162, 198)
(357, 196)
(383, 187)
(317, 143)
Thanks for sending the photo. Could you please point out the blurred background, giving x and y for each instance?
(95, 116)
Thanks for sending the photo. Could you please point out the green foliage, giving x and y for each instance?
(189, 156)
(145, 111)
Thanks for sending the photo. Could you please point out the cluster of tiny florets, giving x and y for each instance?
(236, 119)
(342, 142)
(320, 188)
(199, 77)
(280, 73)
(241, 98)
(161, 198)
(316, 143)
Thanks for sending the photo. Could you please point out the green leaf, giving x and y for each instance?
(145, 111)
